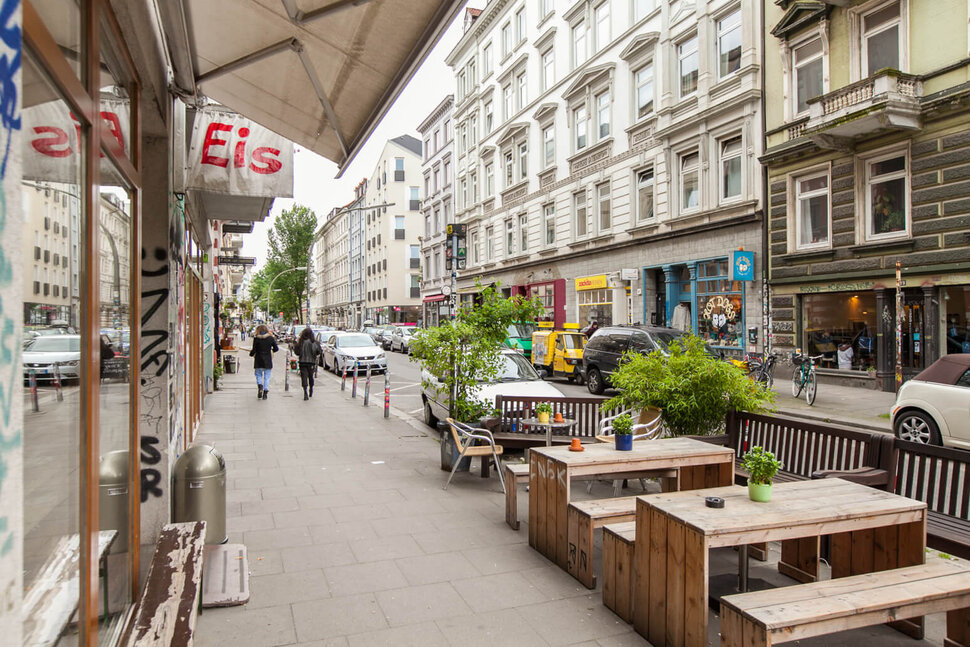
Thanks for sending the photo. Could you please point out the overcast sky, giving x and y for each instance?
(314, 184)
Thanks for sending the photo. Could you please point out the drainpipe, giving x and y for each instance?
(765, 207)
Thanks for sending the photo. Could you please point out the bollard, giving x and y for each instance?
(343, 380)
(286, 372)
(353, 393)
(34, 402)
(57, 382)
(367, 388)
(387, 394)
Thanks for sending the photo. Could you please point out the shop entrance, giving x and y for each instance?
(912, 351)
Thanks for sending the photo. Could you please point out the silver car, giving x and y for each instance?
(400, 338)
(44, 352)
(353, 348)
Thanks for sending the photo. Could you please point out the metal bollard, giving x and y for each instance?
(34, 402)
(286, 372)
(353, 393)
(387, 394)
(343, 380)
(57, 382)
(367, 388)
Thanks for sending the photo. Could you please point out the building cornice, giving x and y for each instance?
(447, 104)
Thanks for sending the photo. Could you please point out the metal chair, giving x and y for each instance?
(649, 426)
(465, 438)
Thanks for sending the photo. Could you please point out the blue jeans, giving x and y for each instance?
(262, 377)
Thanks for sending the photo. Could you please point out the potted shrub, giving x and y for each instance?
(543, 411)
(761, 467)
(623, 432)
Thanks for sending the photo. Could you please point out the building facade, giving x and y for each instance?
(867, 153)
(391, 227)
(607, 161)
(437, 168)
(332, 268)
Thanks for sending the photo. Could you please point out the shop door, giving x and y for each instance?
(912, 334)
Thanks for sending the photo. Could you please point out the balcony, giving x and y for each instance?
(885, 102)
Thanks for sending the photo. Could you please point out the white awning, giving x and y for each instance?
(321, 73)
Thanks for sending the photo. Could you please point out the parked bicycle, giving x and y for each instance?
(762, 369)
(804, 377)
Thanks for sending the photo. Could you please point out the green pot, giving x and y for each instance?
(759, 492)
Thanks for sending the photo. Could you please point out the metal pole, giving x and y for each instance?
(34, 403)
(286, 372)
(57, 382)
(899, 326)
(367, 388)
(387, 393)
(353, 392)
(343, 380)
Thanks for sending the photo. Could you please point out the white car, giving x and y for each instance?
(41, 354)
(345, 349)
(934, 407)
(517, 378)
(400, 338)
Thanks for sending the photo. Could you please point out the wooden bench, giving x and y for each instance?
(584, 410)
(52, 599)
(515, 473)
(166, 613)
(582, 518)
(619, 540)
(764, 618)
(939, 477)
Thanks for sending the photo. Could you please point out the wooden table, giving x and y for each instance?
(550, 424)
(871, 530)
(551, 469)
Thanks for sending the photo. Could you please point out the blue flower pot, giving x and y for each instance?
(624, 442)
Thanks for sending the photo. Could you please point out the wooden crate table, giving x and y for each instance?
(871, 530)
(551, 469)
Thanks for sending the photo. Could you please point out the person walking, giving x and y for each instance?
(308, 350)
(264, 345)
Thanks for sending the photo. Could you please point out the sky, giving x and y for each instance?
(314, 183)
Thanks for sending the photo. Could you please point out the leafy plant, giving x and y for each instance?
(694, 390)
(760, 465)
(543, 407)
(623, 425)
(217, 372)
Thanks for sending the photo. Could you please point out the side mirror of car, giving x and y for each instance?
(543, 373)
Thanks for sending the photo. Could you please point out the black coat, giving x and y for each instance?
(309, 351)
(263, 348)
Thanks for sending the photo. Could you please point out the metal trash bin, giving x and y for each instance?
(229, 363)
(113, 497)
(199, 491)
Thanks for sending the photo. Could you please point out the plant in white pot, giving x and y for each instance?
(623, 432)
(761, 467)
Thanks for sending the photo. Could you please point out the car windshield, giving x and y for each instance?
(520, 330)
(572, 341)
(516, 367)
(354, 341)
(50, 331)
(55, 344)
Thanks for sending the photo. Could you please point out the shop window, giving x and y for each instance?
(956, 303)
(690, 188)
(729, 44)
(720, 305)
(841, 327)
(812, 211)
(887, 196)
(730, 151)
(547, 297)
(645, 195)
(596, 305)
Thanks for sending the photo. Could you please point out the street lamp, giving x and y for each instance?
(270, 290)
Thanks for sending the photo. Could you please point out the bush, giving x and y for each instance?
(623, 425)
(760, 465)
(694, 389)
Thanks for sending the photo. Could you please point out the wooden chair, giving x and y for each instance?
(465, 438)
(649, 425)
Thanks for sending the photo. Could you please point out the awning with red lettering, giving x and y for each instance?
(435, 297)
(321, 73)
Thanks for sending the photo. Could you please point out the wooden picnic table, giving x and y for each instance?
(871, 530)
(551, 470)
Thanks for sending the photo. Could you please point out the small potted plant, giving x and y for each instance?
(623, 432)
(543, 411)
(761, 467)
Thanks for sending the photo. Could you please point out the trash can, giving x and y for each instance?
(449, 453)
(113, 497)
(199, 491)
(229, 363)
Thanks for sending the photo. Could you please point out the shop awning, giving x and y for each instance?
(435, 297)
(321, 73)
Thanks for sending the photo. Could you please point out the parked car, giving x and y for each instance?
(607, 345)
(517, 378)
(519, 337)
(399, 338)
(344, 349)
(934, 407)
(42, 352)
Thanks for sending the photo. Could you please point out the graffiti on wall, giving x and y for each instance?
(176, 326)
(155, 360)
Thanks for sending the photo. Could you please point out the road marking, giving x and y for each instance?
(407, 386)
(411, 413)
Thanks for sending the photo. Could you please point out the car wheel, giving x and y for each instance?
(429, 417)
(918, 427)
(594, 381)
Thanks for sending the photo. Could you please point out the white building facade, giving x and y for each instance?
(437, 209)
(606, 160)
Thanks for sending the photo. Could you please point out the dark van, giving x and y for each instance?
(605, 348)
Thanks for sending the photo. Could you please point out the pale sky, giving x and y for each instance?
(314, 184)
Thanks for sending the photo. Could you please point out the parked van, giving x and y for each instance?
(607, 345)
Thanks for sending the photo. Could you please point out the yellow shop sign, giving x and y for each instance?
(591, 282)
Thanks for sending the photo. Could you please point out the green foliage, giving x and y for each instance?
(623, 425)
(694, 389)
(216, 373)
(493, 314)
(760, 465)
(290, 240)
(543, 407)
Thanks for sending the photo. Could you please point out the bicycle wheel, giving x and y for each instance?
(796, 382)
(811, 387)
(766, 381)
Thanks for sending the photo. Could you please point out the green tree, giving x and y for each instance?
(694, 389)
(290, 240)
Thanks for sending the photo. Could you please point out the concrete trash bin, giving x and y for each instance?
(199, 491)
(113, 497)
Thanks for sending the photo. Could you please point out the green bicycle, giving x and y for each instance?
(804, 378)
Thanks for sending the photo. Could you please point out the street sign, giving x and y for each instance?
(448, 263)
(235, 260)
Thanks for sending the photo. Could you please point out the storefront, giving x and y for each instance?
(594, 297)
(435, 309)
(552, 295)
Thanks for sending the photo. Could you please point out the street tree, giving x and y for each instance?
(290, 240)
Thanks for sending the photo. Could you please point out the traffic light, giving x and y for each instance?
(456, 251)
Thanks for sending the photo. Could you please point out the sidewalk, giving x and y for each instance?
(352, 541)
(838, 404)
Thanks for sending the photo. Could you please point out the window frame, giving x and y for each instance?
(682, 55)
(859, 52)
(794, 66)
(523, 232)
(681, 174)
(580, 135)
(602, 23)
(549, 146)
(549, 218)
(510, 236)
(602, 110)
(581, 203)
(796, 197)
(867, 182)
(640, 218)
(578, 36)
(489, 188)
(547, 63)
(720, 35)
(646, 67)
(487, 62)
(601, 200)
(506, 35)
(721, 159)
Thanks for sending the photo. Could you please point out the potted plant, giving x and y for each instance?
(543, 411)
(623, 432)
(761, 467)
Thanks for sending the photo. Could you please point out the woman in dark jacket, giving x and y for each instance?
(264, 345)
(309, 351)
